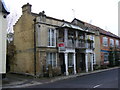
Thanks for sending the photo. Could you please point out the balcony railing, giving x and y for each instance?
(78, 43)
(81, 44)
(89, 45)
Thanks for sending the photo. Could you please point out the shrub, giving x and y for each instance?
(96, 67)
(103, 66)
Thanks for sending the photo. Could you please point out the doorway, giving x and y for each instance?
(62, 62)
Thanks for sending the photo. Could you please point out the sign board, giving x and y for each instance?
(61, 46)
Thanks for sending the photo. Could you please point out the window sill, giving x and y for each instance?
(52, 46)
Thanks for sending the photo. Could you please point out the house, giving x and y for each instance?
(119, 19)
(109, 43)
(89, 27)
(3, 34)
(105, 43)
(50, 46)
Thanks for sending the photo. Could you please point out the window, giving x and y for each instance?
(51, 37)
(71, 42)
(111, 42)
(70, 59)
(117, 43)
(105, 57)
(105, 41)
(51, 59)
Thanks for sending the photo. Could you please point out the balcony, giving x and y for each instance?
(81, 44)
(90, 44)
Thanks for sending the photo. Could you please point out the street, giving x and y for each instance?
(105, 79)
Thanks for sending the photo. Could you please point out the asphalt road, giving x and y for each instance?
(105, 79)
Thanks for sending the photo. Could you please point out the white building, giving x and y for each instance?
(3, 32)
(119, 18)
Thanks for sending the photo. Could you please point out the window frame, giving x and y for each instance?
(117, 43)
(105, 41)
(106, 55)
(51, 37)
(50, 59)
(112, 42)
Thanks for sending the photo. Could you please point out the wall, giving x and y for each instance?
(97, 49)
(107, 48)
(24, 43)
(3, 34)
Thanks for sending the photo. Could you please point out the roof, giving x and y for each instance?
(90, 26)
(3, 7)
(69, 25)
(35, 14)
(108, 33)
(93, 27)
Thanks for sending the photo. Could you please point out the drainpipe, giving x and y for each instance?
(34, 46)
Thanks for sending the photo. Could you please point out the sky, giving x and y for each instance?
(101, 13)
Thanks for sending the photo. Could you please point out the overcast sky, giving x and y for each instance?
(102, 13)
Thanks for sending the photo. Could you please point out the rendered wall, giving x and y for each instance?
(3, 34)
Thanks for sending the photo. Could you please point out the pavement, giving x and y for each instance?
(22, 81)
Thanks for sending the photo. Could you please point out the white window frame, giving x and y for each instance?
(50, 38)
(48, 59)
(107, 54)
(105, 41)
(111, 42)
(117, 43)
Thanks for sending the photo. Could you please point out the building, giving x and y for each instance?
(109, 43)
(119, 18)
(49, 46)
(3, 34)
(105, 43)
(89, 27)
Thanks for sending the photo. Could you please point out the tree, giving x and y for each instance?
(10, 51)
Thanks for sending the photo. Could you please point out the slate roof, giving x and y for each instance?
(93, 27)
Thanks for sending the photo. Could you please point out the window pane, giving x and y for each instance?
(52, 37)
(105, 57)
(49, 37)
(54, 59)
(70, 59)
(105, 41)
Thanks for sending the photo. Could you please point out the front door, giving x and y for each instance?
(62, 62)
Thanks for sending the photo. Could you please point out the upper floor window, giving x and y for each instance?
(105, 41)
(52, 37)
(111, 42)
(117, 43)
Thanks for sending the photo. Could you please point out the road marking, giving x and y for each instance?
(97, 86)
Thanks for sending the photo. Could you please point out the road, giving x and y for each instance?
(105, 79)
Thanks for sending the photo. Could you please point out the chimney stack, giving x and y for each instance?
(26, 8)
